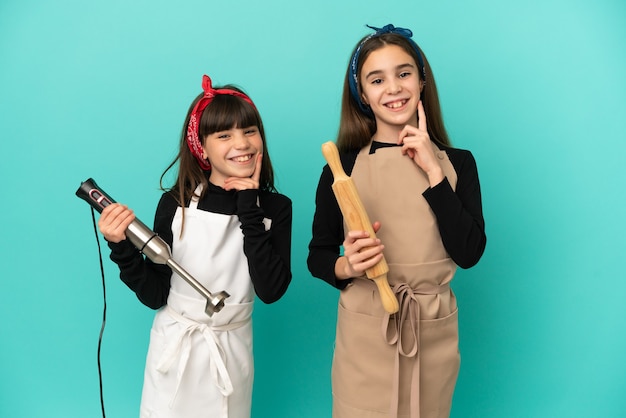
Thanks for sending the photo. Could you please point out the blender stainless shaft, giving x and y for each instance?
(159, 252)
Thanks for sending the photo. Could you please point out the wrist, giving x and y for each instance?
(342, 268)
(435, 176)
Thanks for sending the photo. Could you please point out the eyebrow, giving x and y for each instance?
(399, 67)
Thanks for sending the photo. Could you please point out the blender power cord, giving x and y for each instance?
(104, 310)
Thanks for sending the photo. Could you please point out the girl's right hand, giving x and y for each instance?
(114, 221)
(245, 183)
(361, 252)
(416, 144)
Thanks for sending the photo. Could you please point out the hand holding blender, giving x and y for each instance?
(150, 244)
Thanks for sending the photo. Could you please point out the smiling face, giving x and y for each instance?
(391, 86)
(232, 153)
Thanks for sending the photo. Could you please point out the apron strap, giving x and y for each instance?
(194, 197)
(181, 348)
(393, 334)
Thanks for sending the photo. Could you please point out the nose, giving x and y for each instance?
(241, 141)
(393, 86)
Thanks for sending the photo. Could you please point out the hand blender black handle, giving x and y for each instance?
(138, 233)
(94, 195)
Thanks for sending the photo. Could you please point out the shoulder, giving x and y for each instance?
(347, 161)
(168, 202)
(461, 159)
(164, 215)
(456, 153)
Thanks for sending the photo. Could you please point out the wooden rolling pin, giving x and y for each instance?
(356, 218)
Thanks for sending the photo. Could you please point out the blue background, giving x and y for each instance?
(99, 89)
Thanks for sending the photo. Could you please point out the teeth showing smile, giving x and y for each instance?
(395, 105)
(242, 158)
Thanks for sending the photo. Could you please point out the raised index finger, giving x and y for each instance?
(421, 115)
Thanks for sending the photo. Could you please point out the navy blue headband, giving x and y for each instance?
(353, 79)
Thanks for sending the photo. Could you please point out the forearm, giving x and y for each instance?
(267, 247)
(462, 231)
(149, 281)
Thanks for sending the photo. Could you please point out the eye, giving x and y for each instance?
(223, 135)
(405, 74)
(376, 81)
(251, 131)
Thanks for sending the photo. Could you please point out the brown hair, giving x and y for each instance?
(356, 128)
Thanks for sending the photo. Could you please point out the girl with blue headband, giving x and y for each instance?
(424, 198)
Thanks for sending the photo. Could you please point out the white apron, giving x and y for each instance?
(199, 366)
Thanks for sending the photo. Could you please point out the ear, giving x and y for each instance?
(421, 86)
(364, 99)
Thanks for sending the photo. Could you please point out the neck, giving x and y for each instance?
(388, 135)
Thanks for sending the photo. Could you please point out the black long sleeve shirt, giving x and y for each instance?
(458, 212)
(268, 252)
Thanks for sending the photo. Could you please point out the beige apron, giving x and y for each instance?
(406, 364)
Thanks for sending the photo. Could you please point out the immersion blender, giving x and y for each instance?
(150, 244)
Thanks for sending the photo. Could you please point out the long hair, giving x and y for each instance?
(223, 113)
(357, 128)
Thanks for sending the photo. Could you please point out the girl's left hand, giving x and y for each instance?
(416, 144)
(245, 183)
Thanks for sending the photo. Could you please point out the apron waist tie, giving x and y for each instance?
(181, 348)
(392, 334)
